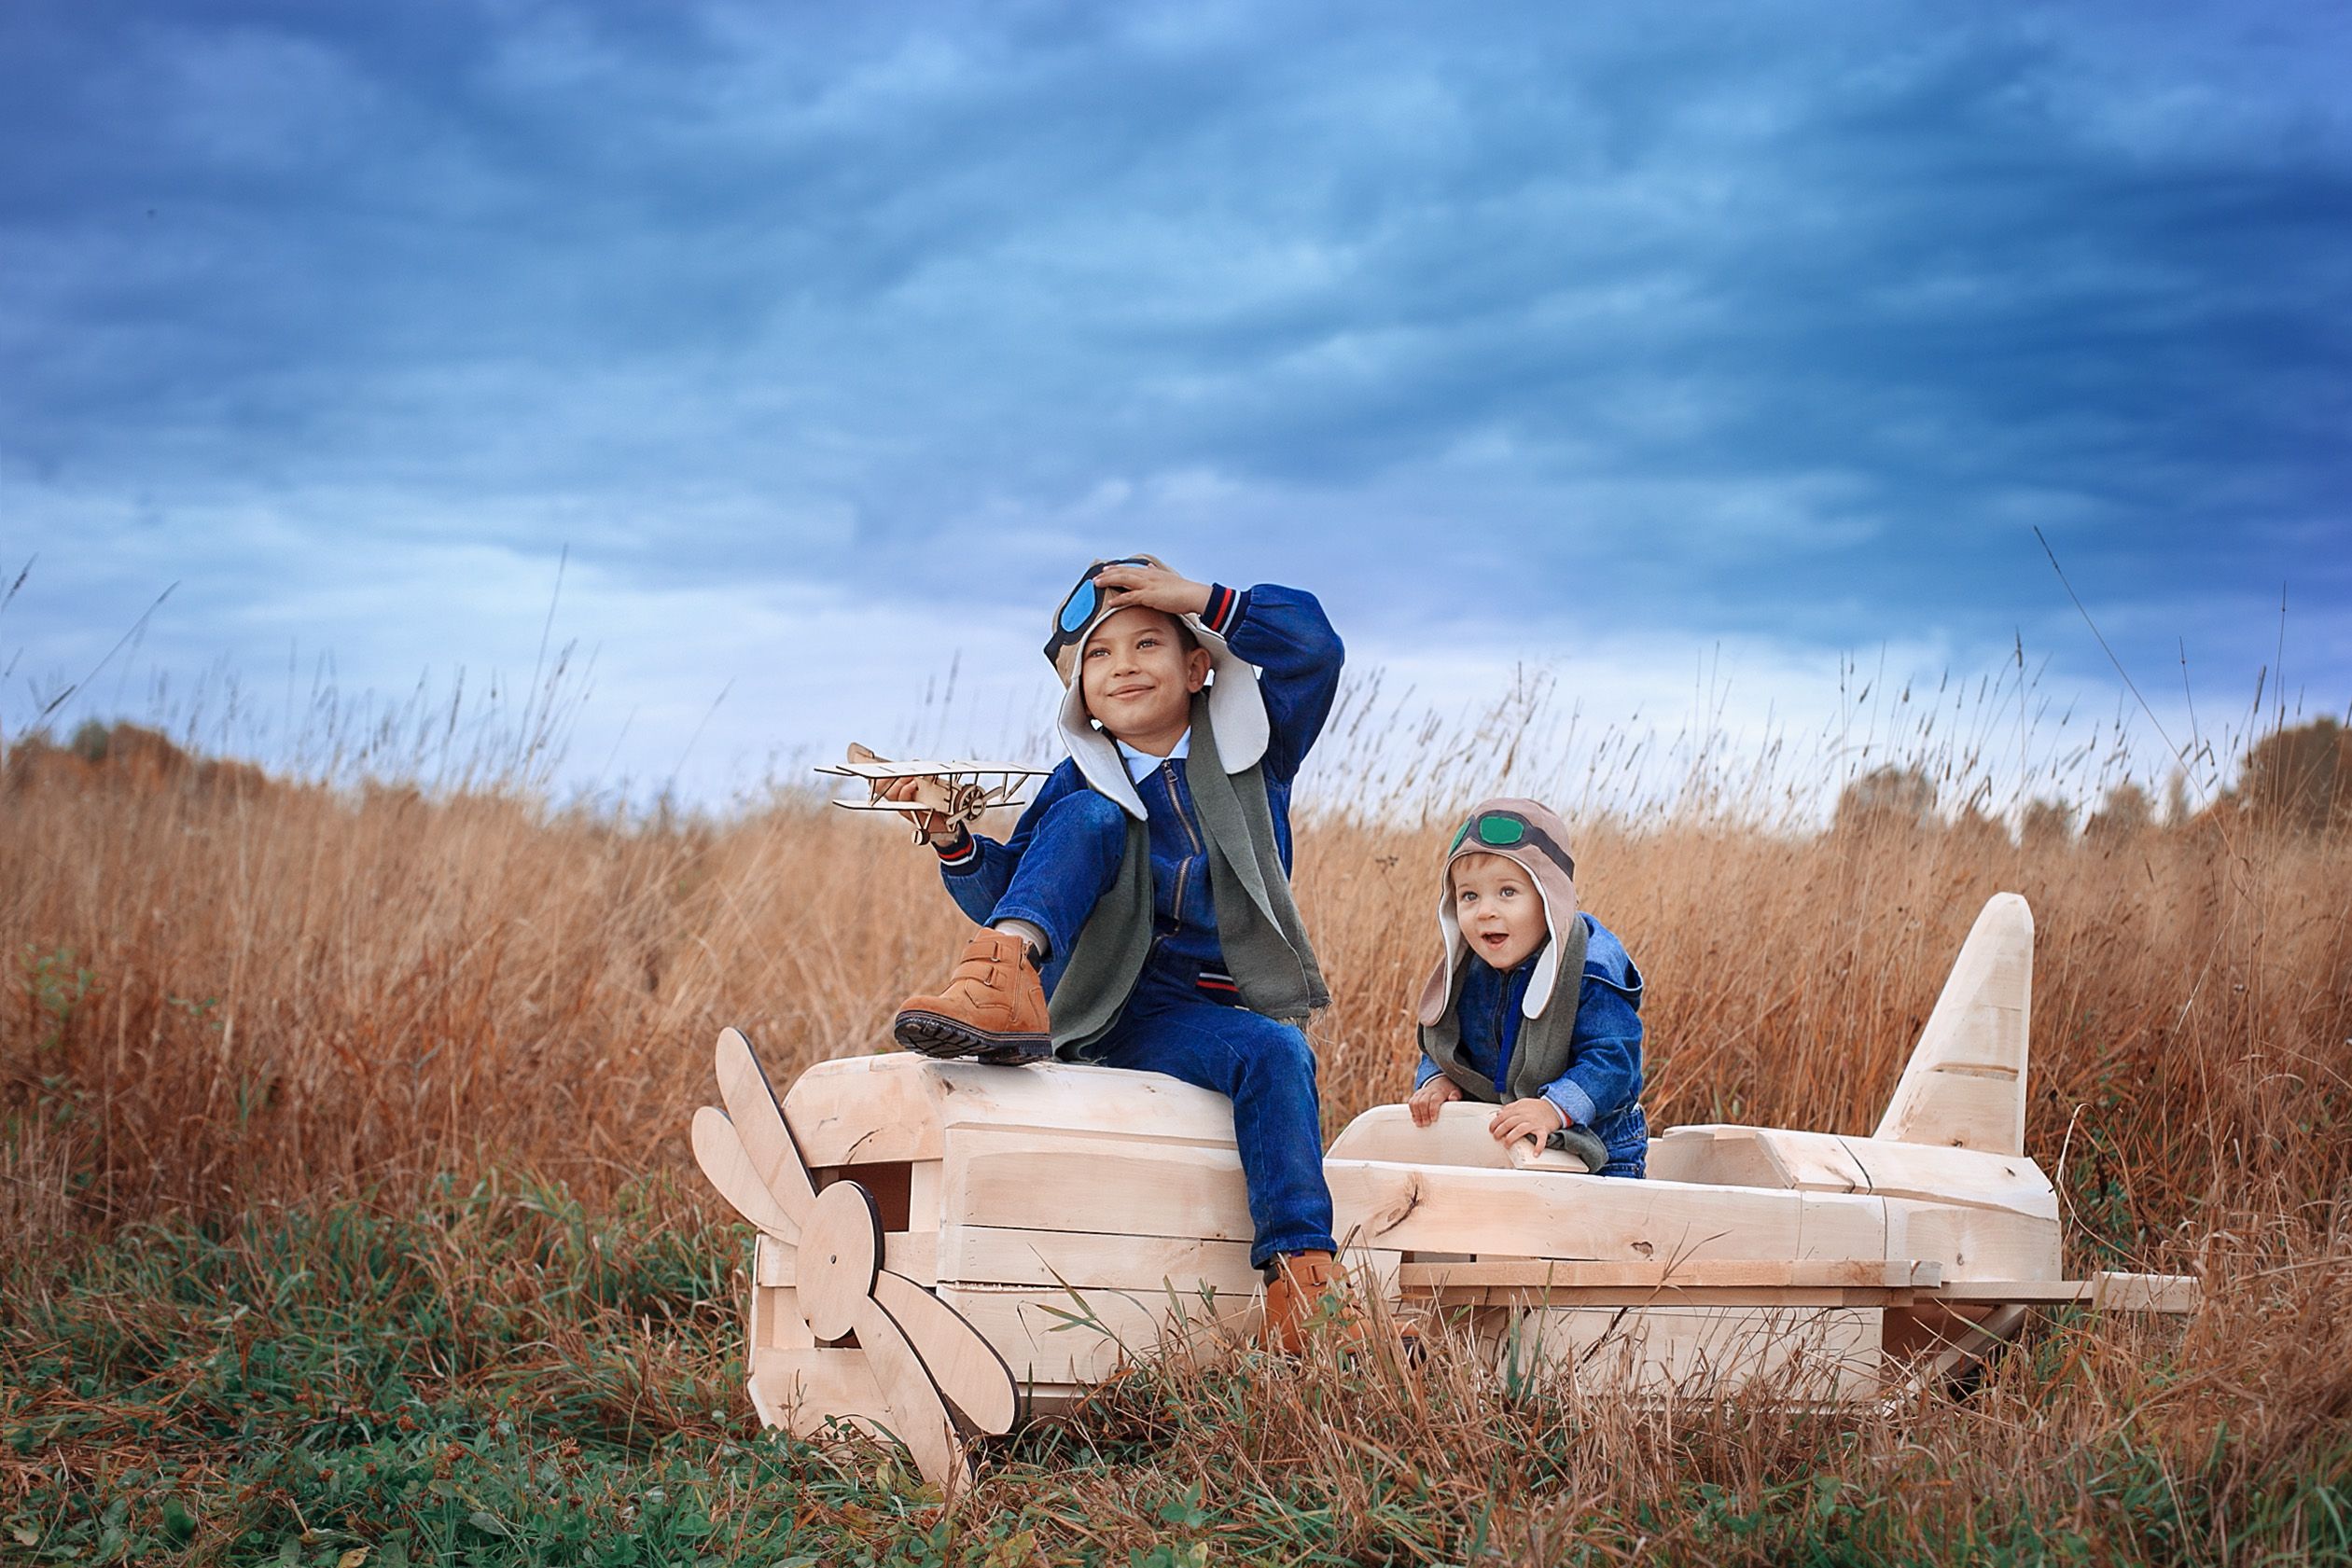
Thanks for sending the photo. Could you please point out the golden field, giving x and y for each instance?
(231, 998)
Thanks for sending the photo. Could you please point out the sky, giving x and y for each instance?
(786, 362)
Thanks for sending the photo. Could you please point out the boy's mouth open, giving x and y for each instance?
(1493, 938)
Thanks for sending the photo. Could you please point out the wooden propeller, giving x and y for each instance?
(927, 1358)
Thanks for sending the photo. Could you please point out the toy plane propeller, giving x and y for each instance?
(959, 790)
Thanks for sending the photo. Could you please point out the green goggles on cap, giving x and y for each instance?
(1508, 830)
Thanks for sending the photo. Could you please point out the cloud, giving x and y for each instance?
(1748, 322)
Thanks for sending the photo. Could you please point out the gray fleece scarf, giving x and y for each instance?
(1258, 926)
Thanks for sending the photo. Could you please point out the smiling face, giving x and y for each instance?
(1138, 673)
(1499, 909)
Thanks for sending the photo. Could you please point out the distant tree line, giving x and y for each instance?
(2297, 781)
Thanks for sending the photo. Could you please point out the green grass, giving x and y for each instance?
(498, 1376)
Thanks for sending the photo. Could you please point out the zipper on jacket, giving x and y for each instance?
(1506, 1054)
(1184, 866)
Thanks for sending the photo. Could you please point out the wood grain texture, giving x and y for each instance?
(1105, 1183)
(1878, 1273)
(966, 1368)
(1814, 1355)
(839, 1252)
(917, 1417)
(1529, 1214)
(1832, 1163)
(1972, 1244)
(1965, 1084)
(751, 1105)
(988, 1256)
(866, 1110)
(730, 1170)
(801, 1389)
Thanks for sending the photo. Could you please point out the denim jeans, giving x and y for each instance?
(1069, 864)
(1267, 1069)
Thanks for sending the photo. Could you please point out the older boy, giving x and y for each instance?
(1147, 889)
(1547, 1022)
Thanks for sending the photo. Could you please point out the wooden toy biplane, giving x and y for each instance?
(959, 790)
(944, 1244)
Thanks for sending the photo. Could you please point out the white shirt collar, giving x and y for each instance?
(1142, 762)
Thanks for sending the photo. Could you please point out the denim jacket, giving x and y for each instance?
(1285, 633)
(1602, 1087)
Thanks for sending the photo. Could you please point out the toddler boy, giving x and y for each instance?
(1145, 890)
(1547, 1022)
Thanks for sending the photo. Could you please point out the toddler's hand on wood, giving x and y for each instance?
(1538, 1119)
(1152, 588)
(1429, 1096)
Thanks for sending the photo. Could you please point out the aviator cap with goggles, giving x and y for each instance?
(1236, 711)
(1083, 608)
(1498, 831)
(1530, 836)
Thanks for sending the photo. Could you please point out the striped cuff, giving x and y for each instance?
(961, 856)
(1225, 608)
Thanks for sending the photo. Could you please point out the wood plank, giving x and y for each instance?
(1674, 1296)
(1829, 1355)
(1457, 1137)
(966, 1370)
(1839, 1224)
(1034, 1331)
(1715, 1156)
(988, 1254)
(927, 1188)
(2103, 1291)
(1877, 1273)
(2116, 1292)
(1531, 1214)
(866, 1110)
(801, 1390)
(727, 1166)
(1105, 1182)
(1981, 1024)
(759, 1121)
(775, 1321)
(1972, 1244)
(1067, 1097)
(918, 1417)
(1968, 1110)
(915, 1255)
(1832, 1163)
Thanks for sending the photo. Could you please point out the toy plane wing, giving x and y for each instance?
(959, 790)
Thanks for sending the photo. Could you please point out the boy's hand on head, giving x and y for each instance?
(1152, 588)
(1425, 1100)
(1538, 1119)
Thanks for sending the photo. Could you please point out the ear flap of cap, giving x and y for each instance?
(1097, 758)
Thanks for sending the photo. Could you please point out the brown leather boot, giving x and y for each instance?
(993, 1007)
(1302, 1282)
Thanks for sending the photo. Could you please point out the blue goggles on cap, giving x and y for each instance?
(1503, 830)
(1079, 610)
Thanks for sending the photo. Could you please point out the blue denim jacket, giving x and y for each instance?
(1602, 1087)
(1282, 631)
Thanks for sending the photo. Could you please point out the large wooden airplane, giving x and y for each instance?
(943, 1246)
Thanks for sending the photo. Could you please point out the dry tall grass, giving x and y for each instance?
(223, 999)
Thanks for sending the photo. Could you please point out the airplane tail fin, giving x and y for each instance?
(1965, 1085)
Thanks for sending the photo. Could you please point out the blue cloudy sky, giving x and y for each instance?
(1646, 345)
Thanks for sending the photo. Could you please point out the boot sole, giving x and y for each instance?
(946, 1038)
